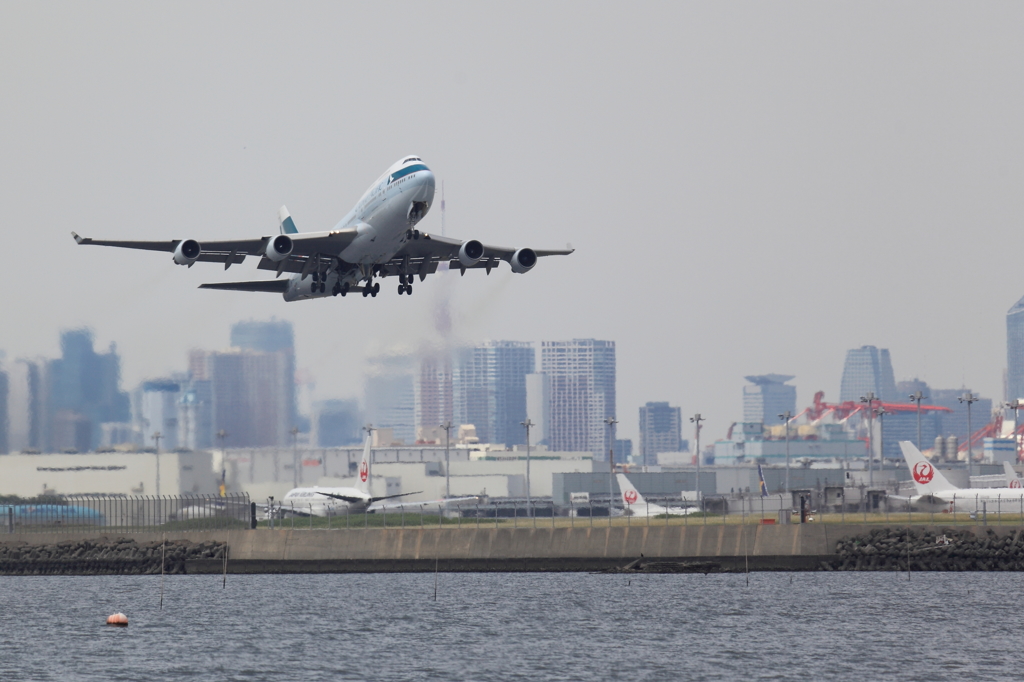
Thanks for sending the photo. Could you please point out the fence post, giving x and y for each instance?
(515, 514)
(458, 509)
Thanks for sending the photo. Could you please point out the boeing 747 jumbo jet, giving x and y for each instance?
(378, 238)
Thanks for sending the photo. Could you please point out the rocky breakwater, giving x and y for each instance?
(944, 549)
(105, 557)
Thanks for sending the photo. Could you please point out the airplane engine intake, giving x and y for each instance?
(523, 260)
(187, 252)
(279, 248)
(471, 253)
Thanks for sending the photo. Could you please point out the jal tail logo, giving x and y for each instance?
(364, 471)
(629, 496)
(923, 472)
(1015, 483)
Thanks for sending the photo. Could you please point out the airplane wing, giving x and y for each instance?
(423, 256)
(343, 498)
(278, 286)
(429, 503)
(305, 246)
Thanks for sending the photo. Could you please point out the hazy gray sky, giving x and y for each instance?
(751, 187)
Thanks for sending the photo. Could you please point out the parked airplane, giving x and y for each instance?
(50, 515)
(933, 490)
(377, 238)
(636, 505)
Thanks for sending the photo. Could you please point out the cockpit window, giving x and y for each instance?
(412, 158)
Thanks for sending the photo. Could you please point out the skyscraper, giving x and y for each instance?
(433, 384)
(1015, 351)
(581, 376)
(489, 390)
(868, 369)
(389, 394)
(660, 431)
(768, 398)
(274, 336)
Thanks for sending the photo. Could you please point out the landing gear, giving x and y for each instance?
(371, 290)
(404, 289)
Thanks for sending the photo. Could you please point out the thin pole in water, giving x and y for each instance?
(225, 583)
(435, 576)
(163, 544)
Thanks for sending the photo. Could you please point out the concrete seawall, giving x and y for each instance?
(794, 547)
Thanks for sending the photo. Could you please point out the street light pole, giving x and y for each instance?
(295, 456)
(918, 397)
(697, 419)
(786, 416)
(870, 400)
(881, 412)
(527, 424)
(969, 398)
(156, 437)
(369, 461)
(611, 422)
(447, 426)
(1016, 405)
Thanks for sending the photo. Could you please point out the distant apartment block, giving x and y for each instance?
(581, 377)
(489, 390)
(389, 394)
(660, 431)
(767, 398)
(868, 369)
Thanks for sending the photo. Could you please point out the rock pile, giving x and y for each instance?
(101, 557)
(947, 549)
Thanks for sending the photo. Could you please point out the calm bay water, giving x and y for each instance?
(515, 626)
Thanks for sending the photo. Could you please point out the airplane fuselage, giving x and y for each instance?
(308, 501)
(384, 218)
(975, 499)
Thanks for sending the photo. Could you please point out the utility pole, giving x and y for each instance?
(295, 456)
(918, 397)
(697, 419)
(369, 460)
(528, 424)
(970, 399)
(447, 426)
(785, 417)
(611, 422)
(880, 411)
(1016, 405)
(156, 437)
(870, 400)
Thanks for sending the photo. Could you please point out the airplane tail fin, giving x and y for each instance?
(761, 484)
(287, 224)
(629, 495)
(926, 477)
(1012, 479)
(364, 467)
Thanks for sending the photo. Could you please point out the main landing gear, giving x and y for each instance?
(406, 285)
(371, 290)
(341, 289)
(319, 282)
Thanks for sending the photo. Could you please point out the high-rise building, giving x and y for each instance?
(336, 423)
(159, 408)
(389, 394)
(274, 336)
(769, 397)
(433, 386)
(955, 424)
(489, 390)
(84, 392)
(868, 369)
(905, 389)
(538, 407)
(660, 431)
(581, 376)
(1015, 351)
(26, 405)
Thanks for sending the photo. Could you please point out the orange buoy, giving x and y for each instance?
(118, 619)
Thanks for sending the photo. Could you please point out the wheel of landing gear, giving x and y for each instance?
(376, 288)
(401, 289)
(366, 292)
(408, 289)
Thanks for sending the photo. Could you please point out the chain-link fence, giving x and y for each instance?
(128, 514)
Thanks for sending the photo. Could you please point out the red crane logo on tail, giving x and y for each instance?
(629, 496)
(923, 472)
(364, 471)
(1015, 483)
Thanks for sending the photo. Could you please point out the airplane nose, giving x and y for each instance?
(427, 183)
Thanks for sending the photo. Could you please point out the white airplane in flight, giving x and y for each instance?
(378, 238)
(934, 490)
(636, 505)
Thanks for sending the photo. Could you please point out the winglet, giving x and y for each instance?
(78, 240)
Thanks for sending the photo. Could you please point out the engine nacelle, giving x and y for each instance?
(470, 253)
(523, 260)
(279, 248)
(187, 252)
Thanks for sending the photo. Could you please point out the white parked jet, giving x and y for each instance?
(317, 501)
(933, 490)
(1012, 479)
(378, 238)
(636, 505)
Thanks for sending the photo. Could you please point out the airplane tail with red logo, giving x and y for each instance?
(926, 477)
(363, 476)
(1012, 479)
(628, 494)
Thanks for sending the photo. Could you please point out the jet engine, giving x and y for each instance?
(187, 252)
(471, 253)
(523, 260)
(279, 248)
